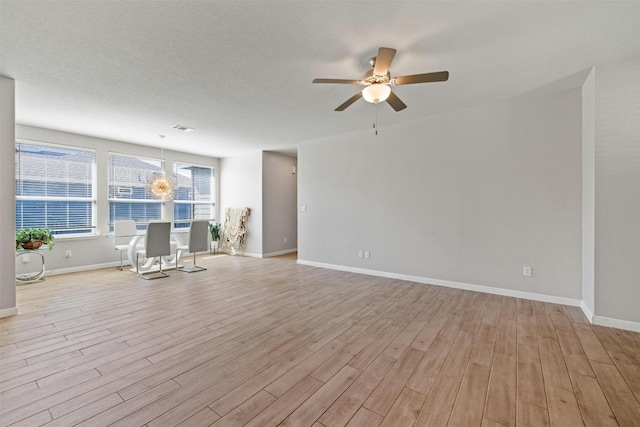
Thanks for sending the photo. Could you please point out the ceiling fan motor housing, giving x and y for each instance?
(370, 78)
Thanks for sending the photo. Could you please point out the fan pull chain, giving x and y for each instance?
(375, 118)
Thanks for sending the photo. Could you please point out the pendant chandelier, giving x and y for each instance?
(160, 185)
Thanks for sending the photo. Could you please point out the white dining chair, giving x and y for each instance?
(157, 243)
(124, 231)
(198, 241)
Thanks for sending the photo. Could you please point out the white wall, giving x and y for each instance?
(98, 251)
(279, 203)
(7, 198)
(464, 198)
(617, 192)
(241, 186)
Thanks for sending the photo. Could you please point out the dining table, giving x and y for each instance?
(169, 262)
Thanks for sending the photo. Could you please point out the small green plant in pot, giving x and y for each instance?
(33, 238)
(214, 229)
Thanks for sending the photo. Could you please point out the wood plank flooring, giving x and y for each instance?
(267, 342)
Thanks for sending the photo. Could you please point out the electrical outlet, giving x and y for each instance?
(527, 271)
(67, 254)
(366, 254)
(303, 208)
(360, 254)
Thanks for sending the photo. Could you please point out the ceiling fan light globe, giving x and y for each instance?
(376, 93)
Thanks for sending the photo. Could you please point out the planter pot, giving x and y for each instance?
(33, 244)
(214, 246)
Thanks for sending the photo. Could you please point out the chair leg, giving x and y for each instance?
(160, 272)
(178, 255)
(138, 267)
(121, 267)
(150, 276)
(194, 268)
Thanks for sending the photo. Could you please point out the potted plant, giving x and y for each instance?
(33, 238)
(214, 229)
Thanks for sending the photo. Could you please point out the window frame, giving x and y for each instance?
(181, 224)
(69, 231)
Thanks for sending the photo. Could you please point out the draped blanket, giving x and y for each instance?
(234, 235)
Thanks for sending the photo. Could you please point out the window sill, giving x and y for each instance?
(72, 237)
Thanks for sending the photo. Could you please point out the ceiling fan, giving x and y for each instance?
(377, 82)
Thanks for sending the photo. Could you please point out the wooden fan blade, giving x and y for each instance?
(440, 76)
(349, 101)
(342, 81)
(395, 102)
(383, 61)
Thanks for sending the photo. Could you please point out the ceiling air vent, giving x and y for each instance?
(183, 128)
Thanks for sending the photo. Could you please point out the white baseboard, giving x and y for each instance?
(449, 284)
(608, 321)
(616, 323)
(278, 253)
(586, 311)
(6, 312)
(250, 254)
(270, 254)
(247, 254)
(82, 268)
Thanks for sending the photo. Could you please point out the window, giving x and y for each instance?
(128, 198)
(194, 198)
(55, 188)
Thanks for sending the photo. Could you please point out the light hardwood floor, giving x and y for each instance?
(265, 342)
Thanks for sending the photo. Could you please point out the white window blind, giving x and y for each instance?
(128, 197)
(195, 194)
(55, 188)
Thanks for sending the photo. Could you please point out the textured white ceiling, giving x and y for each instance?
(240, 71)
